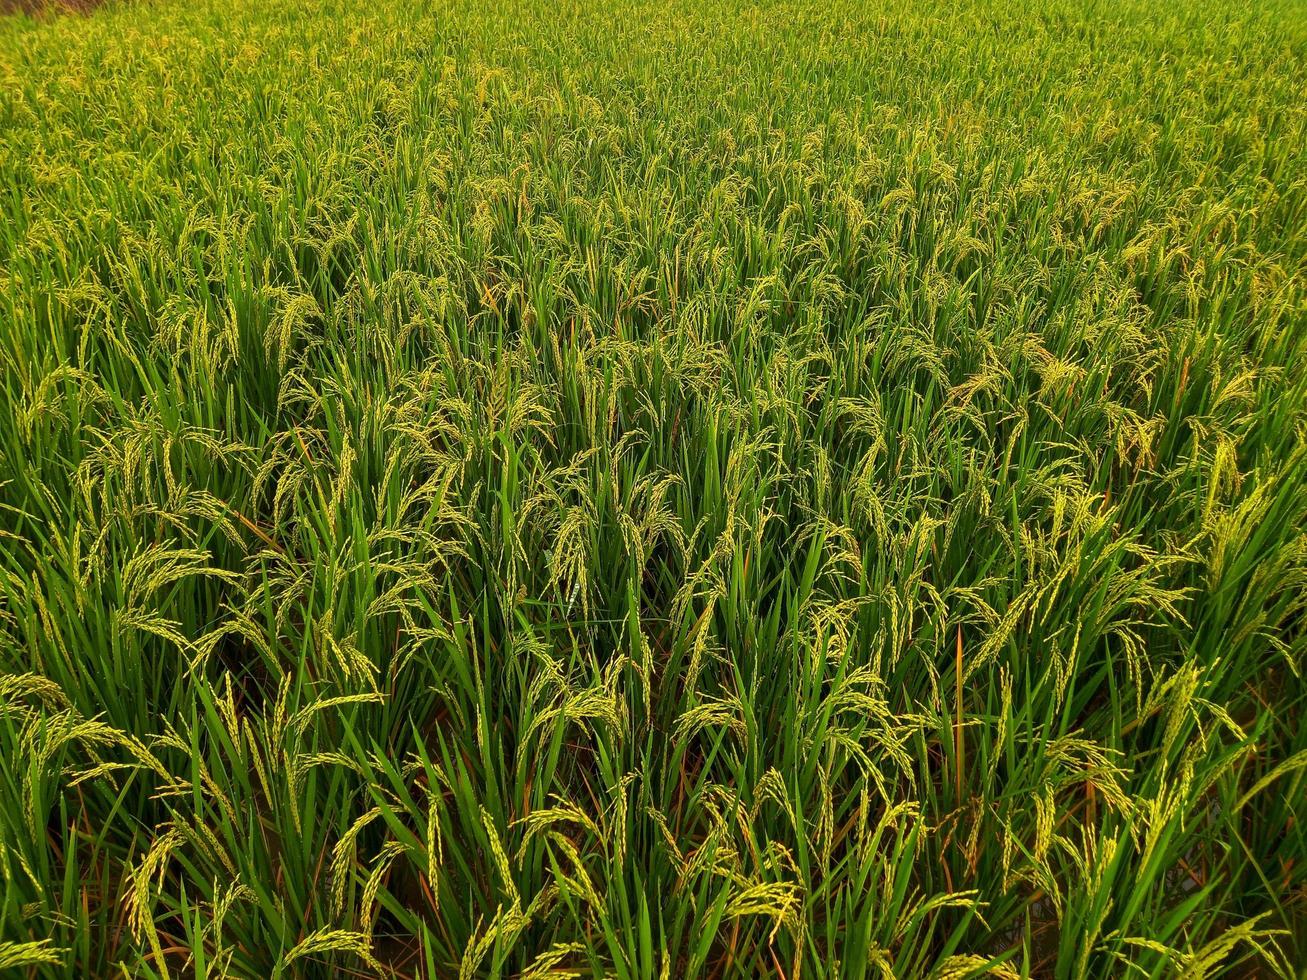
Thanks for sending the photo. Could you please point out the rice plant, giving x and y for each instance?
(698, 489)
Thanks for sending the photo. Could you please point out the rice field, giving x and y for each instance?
(692, 489)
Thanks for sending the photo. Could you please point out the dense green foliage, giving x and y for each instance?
(639, 489)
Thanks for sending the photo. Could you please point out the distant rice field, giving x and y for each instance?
(654, 490)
